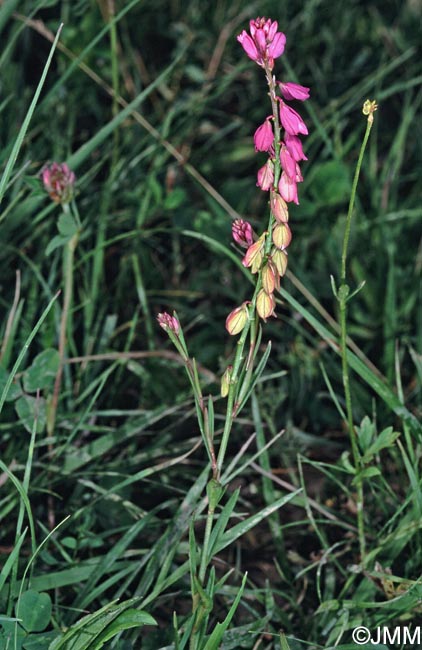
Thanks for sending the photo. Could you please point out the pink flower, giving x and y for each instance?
(291, 121)
(294, 145)
(58, 181)
(264, 136)
(249, 46)
(288, 189)
(265, 178)
(168, 322)
(264, 44)
(294, 91)
(287, 162)
(276, 48)
(242, 233)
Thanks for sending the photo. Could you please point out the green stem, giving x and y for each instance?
(352, 202)
(343, 293)
(114, 76)
(69, 252)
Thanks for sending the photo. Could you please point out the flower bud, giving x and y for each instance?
(265, 304)
(58, 181)
(255, 254)
(242, 233)
(264, 136)
(270, 277)
(225, 381)
(265, 177)
(237, 319)
(280, 259)
(282, 235)
(168, 322)
(279, 207)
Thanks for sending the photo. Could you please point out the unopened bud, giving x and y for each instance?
(168, 322)
(282, 235)
(58, 181)
(270, 277)
(237, 319)
(225, 381)
(242, 233)
(280, 260)
(279, 207)
(265, 304)
(255, 255)
(265, 178)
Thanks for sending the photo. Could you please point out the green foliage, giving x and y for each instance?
(116, 492)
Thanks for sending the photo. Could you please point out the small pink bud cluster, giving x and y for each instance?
(58, 181)
(168, 323)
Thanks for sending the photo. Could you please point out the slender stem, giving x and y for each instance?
(342, 297)
(114, 76)
(207, 534)
(352, 201)
(67, 300)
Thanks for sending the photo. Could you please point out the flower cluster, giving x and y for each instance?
(58, 181)
(278, 136)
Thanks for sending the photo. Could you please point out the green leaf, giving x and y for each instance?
(56, 242)
(92, 631)
(31, 409)
(175, 198)
(14, 391)
(366, 433)
(42, 373)
(126, 620)
(39, 641)
(243, 527)
(330, 183)
(67, 225)
(34, 610)
(367, 472)
(385, 439)
(215, 638)
(12, 636)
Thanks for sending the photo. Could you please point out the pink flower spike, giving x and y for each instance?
(249, 46)
(168, 322)
(291, 121)
(242, 233)
(294, 91)
(287, 162)
(264, 136)
(265, 177)
(288, 189)
(294, 145)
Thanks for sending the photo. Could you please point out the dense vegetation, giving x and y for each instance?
(153, 105)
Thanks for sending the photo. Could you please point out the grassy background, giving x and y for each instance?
(151, 241)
